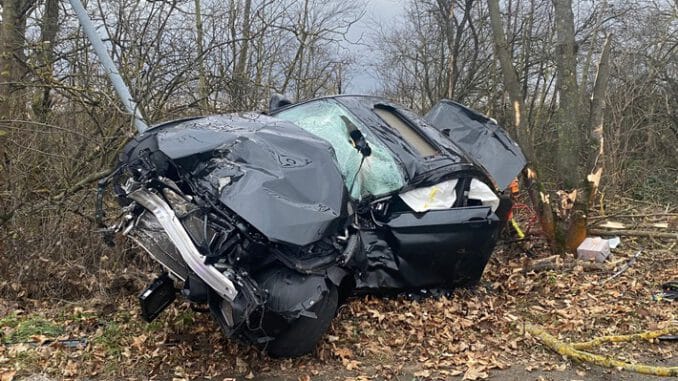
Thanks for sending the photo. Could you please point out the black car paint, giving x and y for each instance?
(481, 138)
(270, 164)
(286, 199)
(410, 251)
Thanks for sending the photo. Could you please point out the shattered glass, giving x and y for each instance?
(379, 175)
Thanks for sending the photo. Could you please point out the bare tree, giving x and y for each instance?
(12, 55)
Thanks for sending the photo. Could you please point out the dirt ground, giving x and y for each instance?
(470, 334)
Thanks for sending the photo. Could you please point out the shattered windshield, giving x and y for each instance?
(379, 175)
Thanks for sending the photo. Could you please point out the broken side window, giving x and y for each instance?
(380, 173)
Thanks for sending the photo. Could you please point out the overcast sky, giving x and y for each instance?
(376, 12)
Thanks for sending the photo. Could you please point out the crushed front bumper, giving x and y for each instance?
(178, 235)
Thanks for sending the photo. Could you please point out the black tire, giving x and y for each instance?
(303, 334)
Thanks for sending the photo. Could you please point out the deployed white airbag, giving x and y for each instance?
(483, 193)
(436, 197)
(443, 196)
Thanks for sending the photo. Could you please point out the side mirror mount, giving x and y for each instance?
(360, 143)
(277, 101)
(357, 139)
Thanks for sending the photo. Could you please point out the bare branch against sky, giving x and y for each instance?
(378, 14)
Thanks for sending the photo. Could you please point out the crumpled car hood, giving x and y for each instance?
(276, 176)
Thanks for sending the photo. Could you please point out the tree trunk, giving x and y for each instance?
(10, 43)
(203, 93)
(569, 229)
(12, 56)
(537, 193)
(50, 27)
(241, 76)
(510, 79)
(596, 118)
(569, 135)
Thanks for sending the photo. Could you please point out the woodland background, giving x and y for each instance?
(585, 86)
(533, 65)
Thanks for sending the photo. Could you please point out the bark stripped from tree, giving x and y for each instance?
(538, 195)
(511, 83)
(569, 228)
(596, 118)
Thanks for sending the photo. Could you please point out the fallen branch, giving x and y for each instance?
(553, 263)
(641, 215)
(649, 335)
(541, 264)
(633, 233)
(570, 351)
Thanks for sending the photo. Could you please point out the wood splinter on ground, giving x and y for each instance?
(633, 233)
(555, 262)
(574, 351)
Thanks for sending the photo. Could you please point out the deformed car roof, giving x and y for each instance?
(464, 138)
(418, 169)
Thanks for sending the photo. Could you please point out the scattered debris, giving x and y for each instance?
(614, 242)
(624, 268)
(555, 262)
(389, 337)
(594, 248)
(669, 292)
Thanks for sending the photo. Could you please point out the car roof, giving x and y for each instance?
(415, 164)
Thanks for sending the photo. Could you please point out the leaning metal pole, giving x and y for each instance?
(118, 83)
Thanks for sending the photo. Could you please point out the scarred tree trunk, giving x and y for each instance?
(570, 140)
(512, 85)
(564, 220)
(580, 148)
(596, 118)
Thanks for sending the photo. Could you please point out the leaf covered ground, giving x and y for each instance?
(470, 334)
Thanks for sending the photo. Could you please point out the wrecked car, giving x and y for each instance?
(272, 220)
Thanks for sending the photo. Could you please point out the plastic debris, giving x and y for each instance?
(614, 242)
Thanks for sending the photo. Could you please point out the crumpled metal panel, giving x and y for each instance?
(481, 138)
(150, 235)
(279, 178)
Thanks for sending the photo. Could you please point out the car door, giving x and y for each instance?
(449, 245)
(444, 247)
